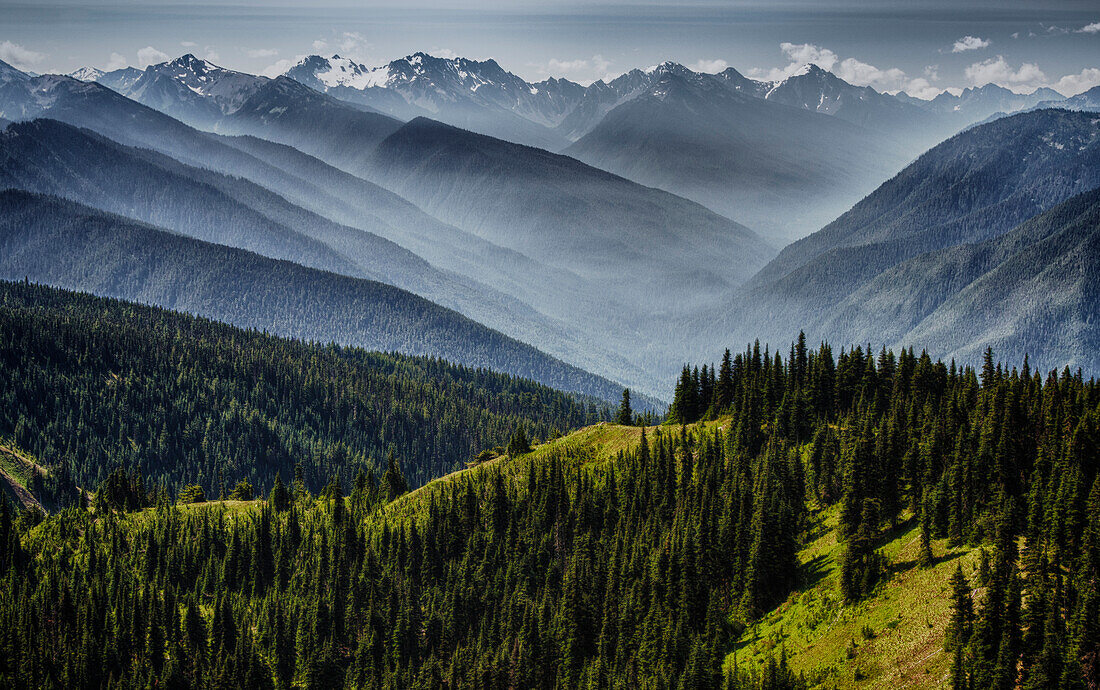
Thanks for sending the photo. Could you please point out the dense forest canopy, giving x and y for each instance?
(90, 384)
(562, 568)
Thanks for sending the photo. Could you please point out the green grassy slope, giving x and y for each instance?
(892, 639)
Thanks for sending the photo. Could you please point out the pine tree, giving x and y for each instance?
(957, 634)
(518, 444)
(393, 481)
(625, 415)
(279, 499)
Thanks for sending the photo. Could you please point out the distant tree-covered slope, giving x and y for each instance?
(89, 384)
(1031, 291)
(976, 185)
(57, 242)
(1043, 300)
(973, 188)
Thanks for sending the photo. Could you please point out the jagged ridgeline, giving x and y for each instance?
(614, 556)
(90, 384)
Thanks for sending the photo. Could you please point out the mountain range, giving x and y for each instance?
(600, 224)
(781, 175)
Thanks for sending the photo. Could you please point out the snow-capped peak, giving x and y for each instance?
(87, 74)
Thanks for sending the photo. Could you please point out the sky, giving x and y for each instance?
(922, 46)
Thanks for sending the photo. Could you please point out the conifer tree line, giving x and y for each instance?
(547, 569)
(88, 385)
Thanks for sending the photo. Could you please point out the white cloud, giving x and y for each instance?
(279, 67)
(969, 43)
(1073, 84)
(353, 44)
(19, 57)
(709, 66)
(862, 74)
(320, 44)
(212, 55)
(998, 71)
(445, 53)
(581, 70)
(188, 44)
(921, 88)
(262, 52)
(567, 66)
(802, 54)
(117, 61)
(150, 56)
(1093, 28)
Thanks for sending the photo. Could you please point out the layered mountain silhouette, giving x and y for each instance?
(50, 240)
(781, 169)
(922, 255)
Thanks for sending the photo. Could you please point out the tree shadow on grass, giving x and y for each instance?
(813, 572)
(901, 566)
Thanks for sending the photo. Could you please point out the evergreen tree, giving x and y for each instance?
(625, 415)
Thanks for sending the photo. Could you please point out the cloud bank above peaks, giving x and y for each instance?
(849, 69)
(1028, 77)
(19, 57)
(1024, 78)
(581, 70)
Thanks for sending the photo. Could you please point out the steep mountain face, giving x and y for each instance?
(779, 169)
(212, 98)
(480, 96)
(667, 252)
(68, 245)
(1087, 100)
(739, 82)
(1040, 301)
(875, 274)
(823, 92)
(552, 100)
(347, 80)
(10, 74)
(192, 90)
(600, 98)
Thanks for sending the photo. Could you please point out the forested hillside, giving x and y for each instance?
(612, 557)
(90, 384)
(59, 243)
